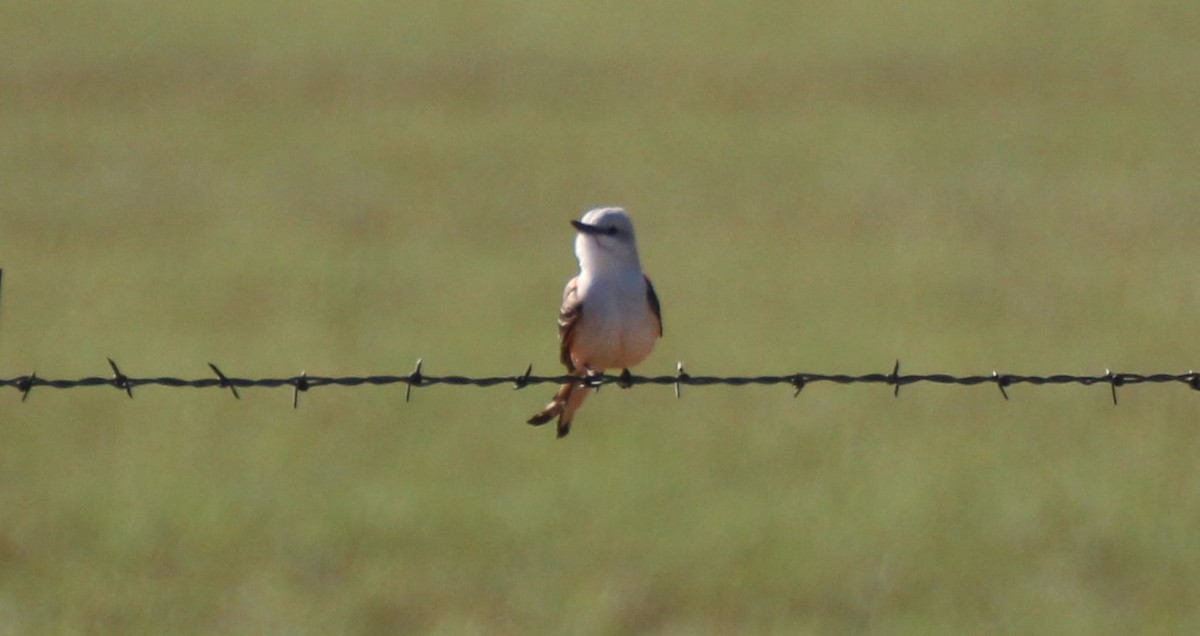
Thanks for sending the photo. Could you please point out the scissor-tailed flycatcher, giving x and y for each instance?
(610, 316)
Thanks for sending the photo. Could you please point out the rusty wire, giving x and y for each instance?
(797, 381)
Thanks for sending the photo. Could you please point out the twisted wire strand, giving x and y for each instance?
(798, 381)
(304, 382)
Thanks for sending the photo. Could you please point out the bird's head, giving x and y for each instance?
(605, 239)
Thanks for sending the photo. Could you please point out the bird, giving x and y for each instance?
(610, 316)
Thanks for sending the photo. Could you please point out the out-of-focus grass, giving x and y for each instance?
(343, 187)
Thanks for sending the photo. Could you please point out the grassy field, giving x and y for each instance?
(343, 187)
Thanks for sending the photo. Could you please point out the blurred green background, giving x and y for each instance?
(342, 187)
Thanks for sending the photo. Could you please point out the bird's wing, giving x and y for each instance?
(568, 319)
(653, 298)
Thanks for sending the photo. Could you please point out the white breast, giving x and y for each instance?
(617, 329)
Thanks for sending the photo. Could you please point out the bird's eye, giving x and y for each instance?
(610, 230)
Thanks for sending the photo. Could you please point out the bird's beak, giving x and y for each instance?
(585, 228)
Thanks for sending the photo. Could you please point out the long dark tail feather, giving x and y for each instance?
(568, 399)
(545, 415)
(555, 407)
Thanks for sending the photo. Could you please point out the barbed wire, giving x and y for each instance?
(797, 381)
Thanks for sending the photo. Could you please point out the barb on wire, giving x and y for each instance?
(894, 379)
(299, 384)
(223, 381)
(120, 380)
(24, 384)
(523, 380)
(415, 378)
